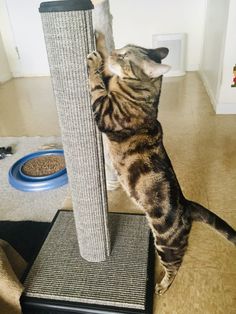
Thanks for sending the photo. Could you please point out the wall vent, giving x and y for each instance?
(176, 57)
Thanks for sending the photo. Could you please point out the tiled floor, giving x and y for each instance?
(202, 147)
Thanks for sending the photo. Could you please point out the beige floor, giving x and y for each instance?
(202, 147)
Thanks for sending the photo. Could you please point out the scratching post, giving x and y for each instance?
(102, 21)
(69, 39)
(110, 271)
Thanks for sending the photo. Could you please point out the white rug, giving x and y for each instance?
(17, 205)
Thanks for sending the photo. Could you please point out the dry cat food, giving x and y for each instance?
(43, 166)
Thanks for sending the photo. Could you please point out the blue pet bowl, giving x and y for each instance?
(21, 181)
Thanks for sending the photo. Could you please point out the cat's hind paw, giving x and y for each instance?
(165, 283)
(160, 289)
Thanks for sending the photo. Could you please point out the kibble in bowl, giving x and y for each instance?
(43, 166)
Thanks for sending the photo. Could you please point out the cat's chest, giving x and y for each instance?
(118, 155)
(118, 158)
(122, 161)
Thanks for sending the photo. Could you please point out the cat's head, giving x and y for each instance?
(138, 63)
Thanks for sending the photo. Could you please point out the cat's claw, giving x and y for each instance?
(94, 54)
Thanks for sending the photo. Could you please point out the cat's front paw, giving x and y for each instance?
(100, 41)
(94, 61)
(99, 35)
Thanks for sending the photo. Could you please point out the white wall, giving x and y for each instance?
(22, 28)
(135, 21)
(5, 73)
(227, 95)
(219, 54)
(6, 39)
(213, 47)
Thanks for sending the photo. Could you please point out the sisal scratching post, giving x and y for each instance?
(63, 277)
(69, 39)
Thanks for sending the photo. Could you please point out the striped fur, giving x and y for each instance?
(125, 91)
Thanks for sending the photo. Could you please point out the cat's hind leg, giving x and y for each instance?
(171, 259)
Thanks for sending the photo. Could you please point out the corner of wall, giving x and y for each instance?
(5, 72)
(208, 89)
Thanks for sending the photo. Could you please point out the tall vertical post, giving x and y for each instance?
(69, 39)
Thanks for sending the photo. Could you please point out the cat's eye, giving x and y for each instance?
(121, 56)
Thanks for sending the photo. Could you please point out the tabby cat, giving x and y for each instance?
(125, 90)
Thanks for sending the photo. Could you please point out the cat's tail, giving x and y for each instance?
(200, 213)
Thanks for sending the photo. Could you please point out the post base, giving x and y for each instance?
(60, 281)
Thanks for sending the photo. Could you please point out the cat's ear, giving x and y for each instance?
(158, 54)
(153, 69)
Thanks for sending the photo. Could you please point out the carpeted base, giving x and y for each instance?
(60, 281)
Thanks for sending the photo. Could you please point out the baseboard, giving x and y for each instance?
(30, 75)
(5, 78)
(226, 108)
(220, 108)
(208, 90)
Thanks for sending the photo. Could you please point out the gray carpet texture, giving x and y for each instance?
(60, 273)
(16, 205)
